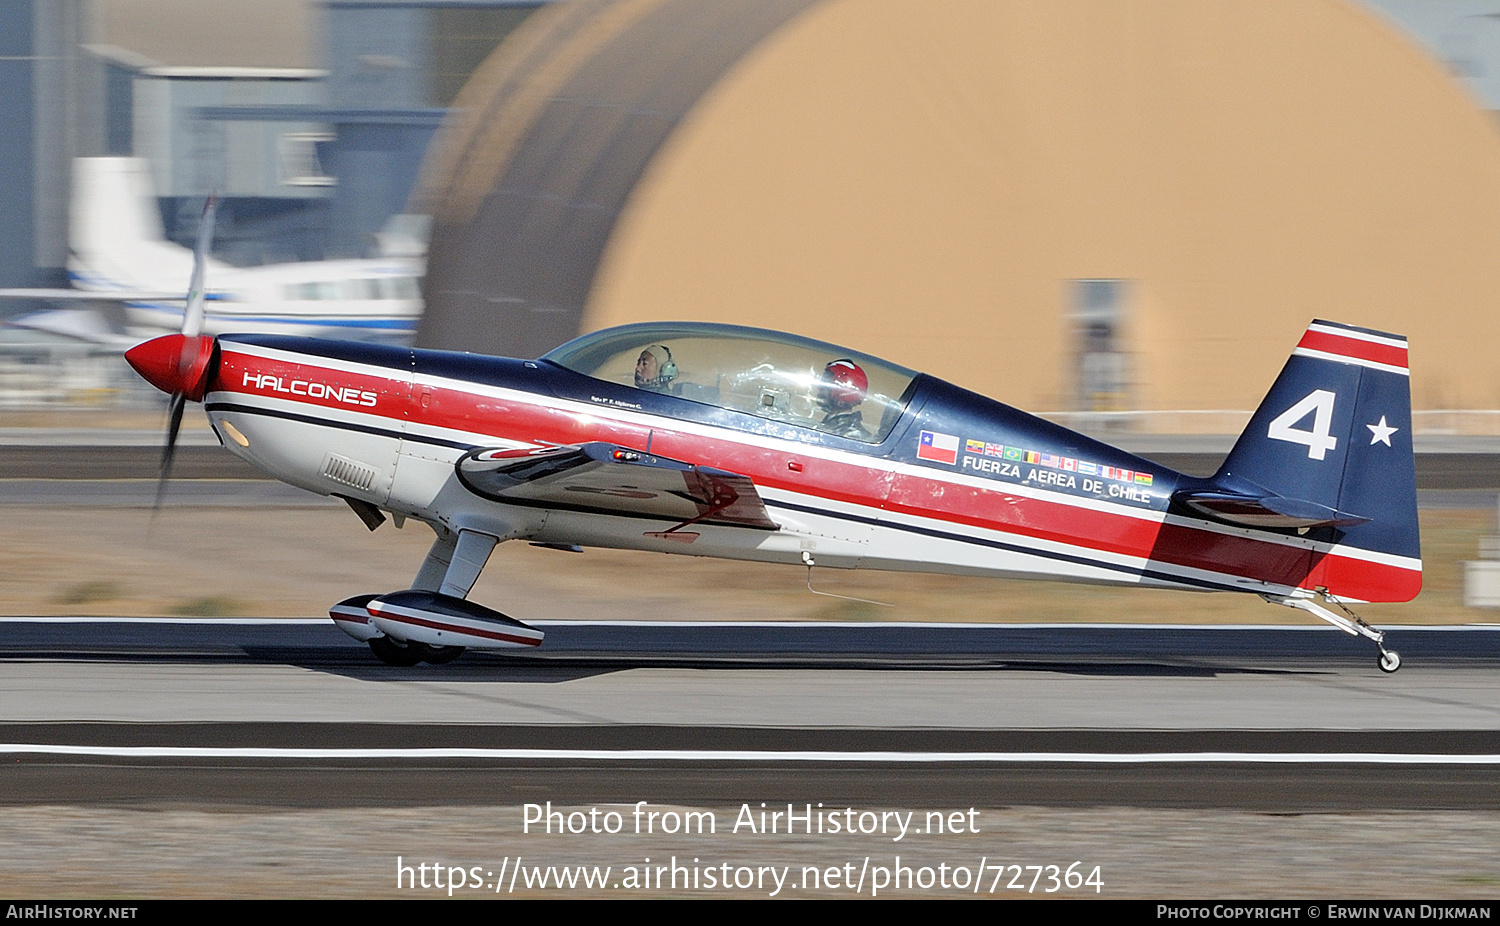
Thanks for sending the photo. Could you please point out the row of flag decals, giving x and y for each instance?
(943, 448)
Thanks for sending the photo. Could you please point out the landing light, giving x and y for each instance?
(234, 434)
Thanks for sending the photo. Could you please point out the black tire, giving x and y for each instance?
(393, 653)
(437, 655)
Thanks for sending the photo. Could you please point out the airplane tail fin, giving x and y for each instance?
(115, 234)
(1328, 454)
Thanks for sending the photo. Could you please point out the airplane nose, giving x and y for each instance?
(174, 363)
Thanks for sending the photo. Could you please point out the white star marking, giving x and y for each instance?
(1381, 433)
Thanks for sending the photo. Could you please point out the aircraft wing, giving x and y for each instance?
(603, 477)
(87, 325)
(90, 295)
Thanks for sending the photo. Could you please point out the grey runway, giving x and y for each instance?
(1318, 784)
(1262, 718)
(1108, 649)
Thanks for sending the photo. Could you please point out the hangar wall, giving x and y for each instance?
(923, 180)
(554, 130)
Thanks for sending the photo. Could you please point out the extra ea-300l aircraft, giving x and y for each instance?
(715, 440)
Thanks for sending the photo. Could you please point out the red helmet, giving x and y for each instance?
(842, 385)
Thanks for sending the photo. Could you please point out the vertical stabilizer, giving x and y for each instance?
(1334, 435)
(116, 240)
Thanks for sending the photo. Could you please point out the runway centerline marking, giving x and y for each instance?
(758, 756)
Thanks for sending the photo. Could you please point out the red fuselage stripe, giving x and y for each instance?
(867, 486)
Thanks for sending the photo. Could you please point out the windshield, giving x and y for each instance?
(772, 375)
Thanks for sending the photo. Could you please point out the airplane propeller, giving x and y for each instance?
(180, 364)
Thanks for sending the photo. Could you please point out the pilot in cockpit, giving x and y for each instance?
(655, 369)
(841, 387)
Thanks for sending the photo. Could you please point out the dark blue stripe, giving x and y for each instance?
(340, 425)
(362, 352)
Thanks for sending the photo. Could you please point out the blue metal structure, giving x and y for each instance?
(37, 42)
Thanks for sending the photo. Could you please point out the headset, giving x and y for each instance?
(665, 372)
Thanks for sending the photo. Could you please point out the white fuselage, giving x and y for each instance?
(365, 299)
(391, 438)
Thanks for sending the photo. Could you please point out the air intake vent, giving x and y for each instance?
(346, 471)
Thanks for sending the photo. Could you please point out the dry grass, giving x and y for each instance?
(295, 562)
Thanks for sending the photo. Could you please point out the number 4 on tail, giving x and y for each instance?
(1317, 441)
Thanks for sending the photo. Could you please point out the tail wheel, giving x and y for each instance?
(393, 653)
(1389, 661)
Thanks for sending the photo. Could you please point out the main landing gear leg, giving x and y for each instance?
(470, 553)
(451, 568)
(1388, 661)
(435, 566)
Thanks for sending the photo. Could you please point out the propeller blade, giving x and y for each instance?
(193, 353)
(192, 316)
(174, 424)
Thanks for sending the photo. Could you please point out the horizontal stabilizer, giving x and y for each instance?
(606, 478)
(1266, 510)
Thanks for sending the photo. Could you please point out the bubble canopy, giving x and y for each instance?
(769, 374)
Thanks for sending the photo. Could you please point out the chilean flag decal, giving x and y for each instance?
(940, 448)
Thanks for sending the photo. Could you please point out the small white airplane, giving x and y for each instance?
(119, 260)
(739, 443)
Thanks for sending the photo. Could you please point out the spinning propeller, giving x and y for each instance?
(181, 364)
